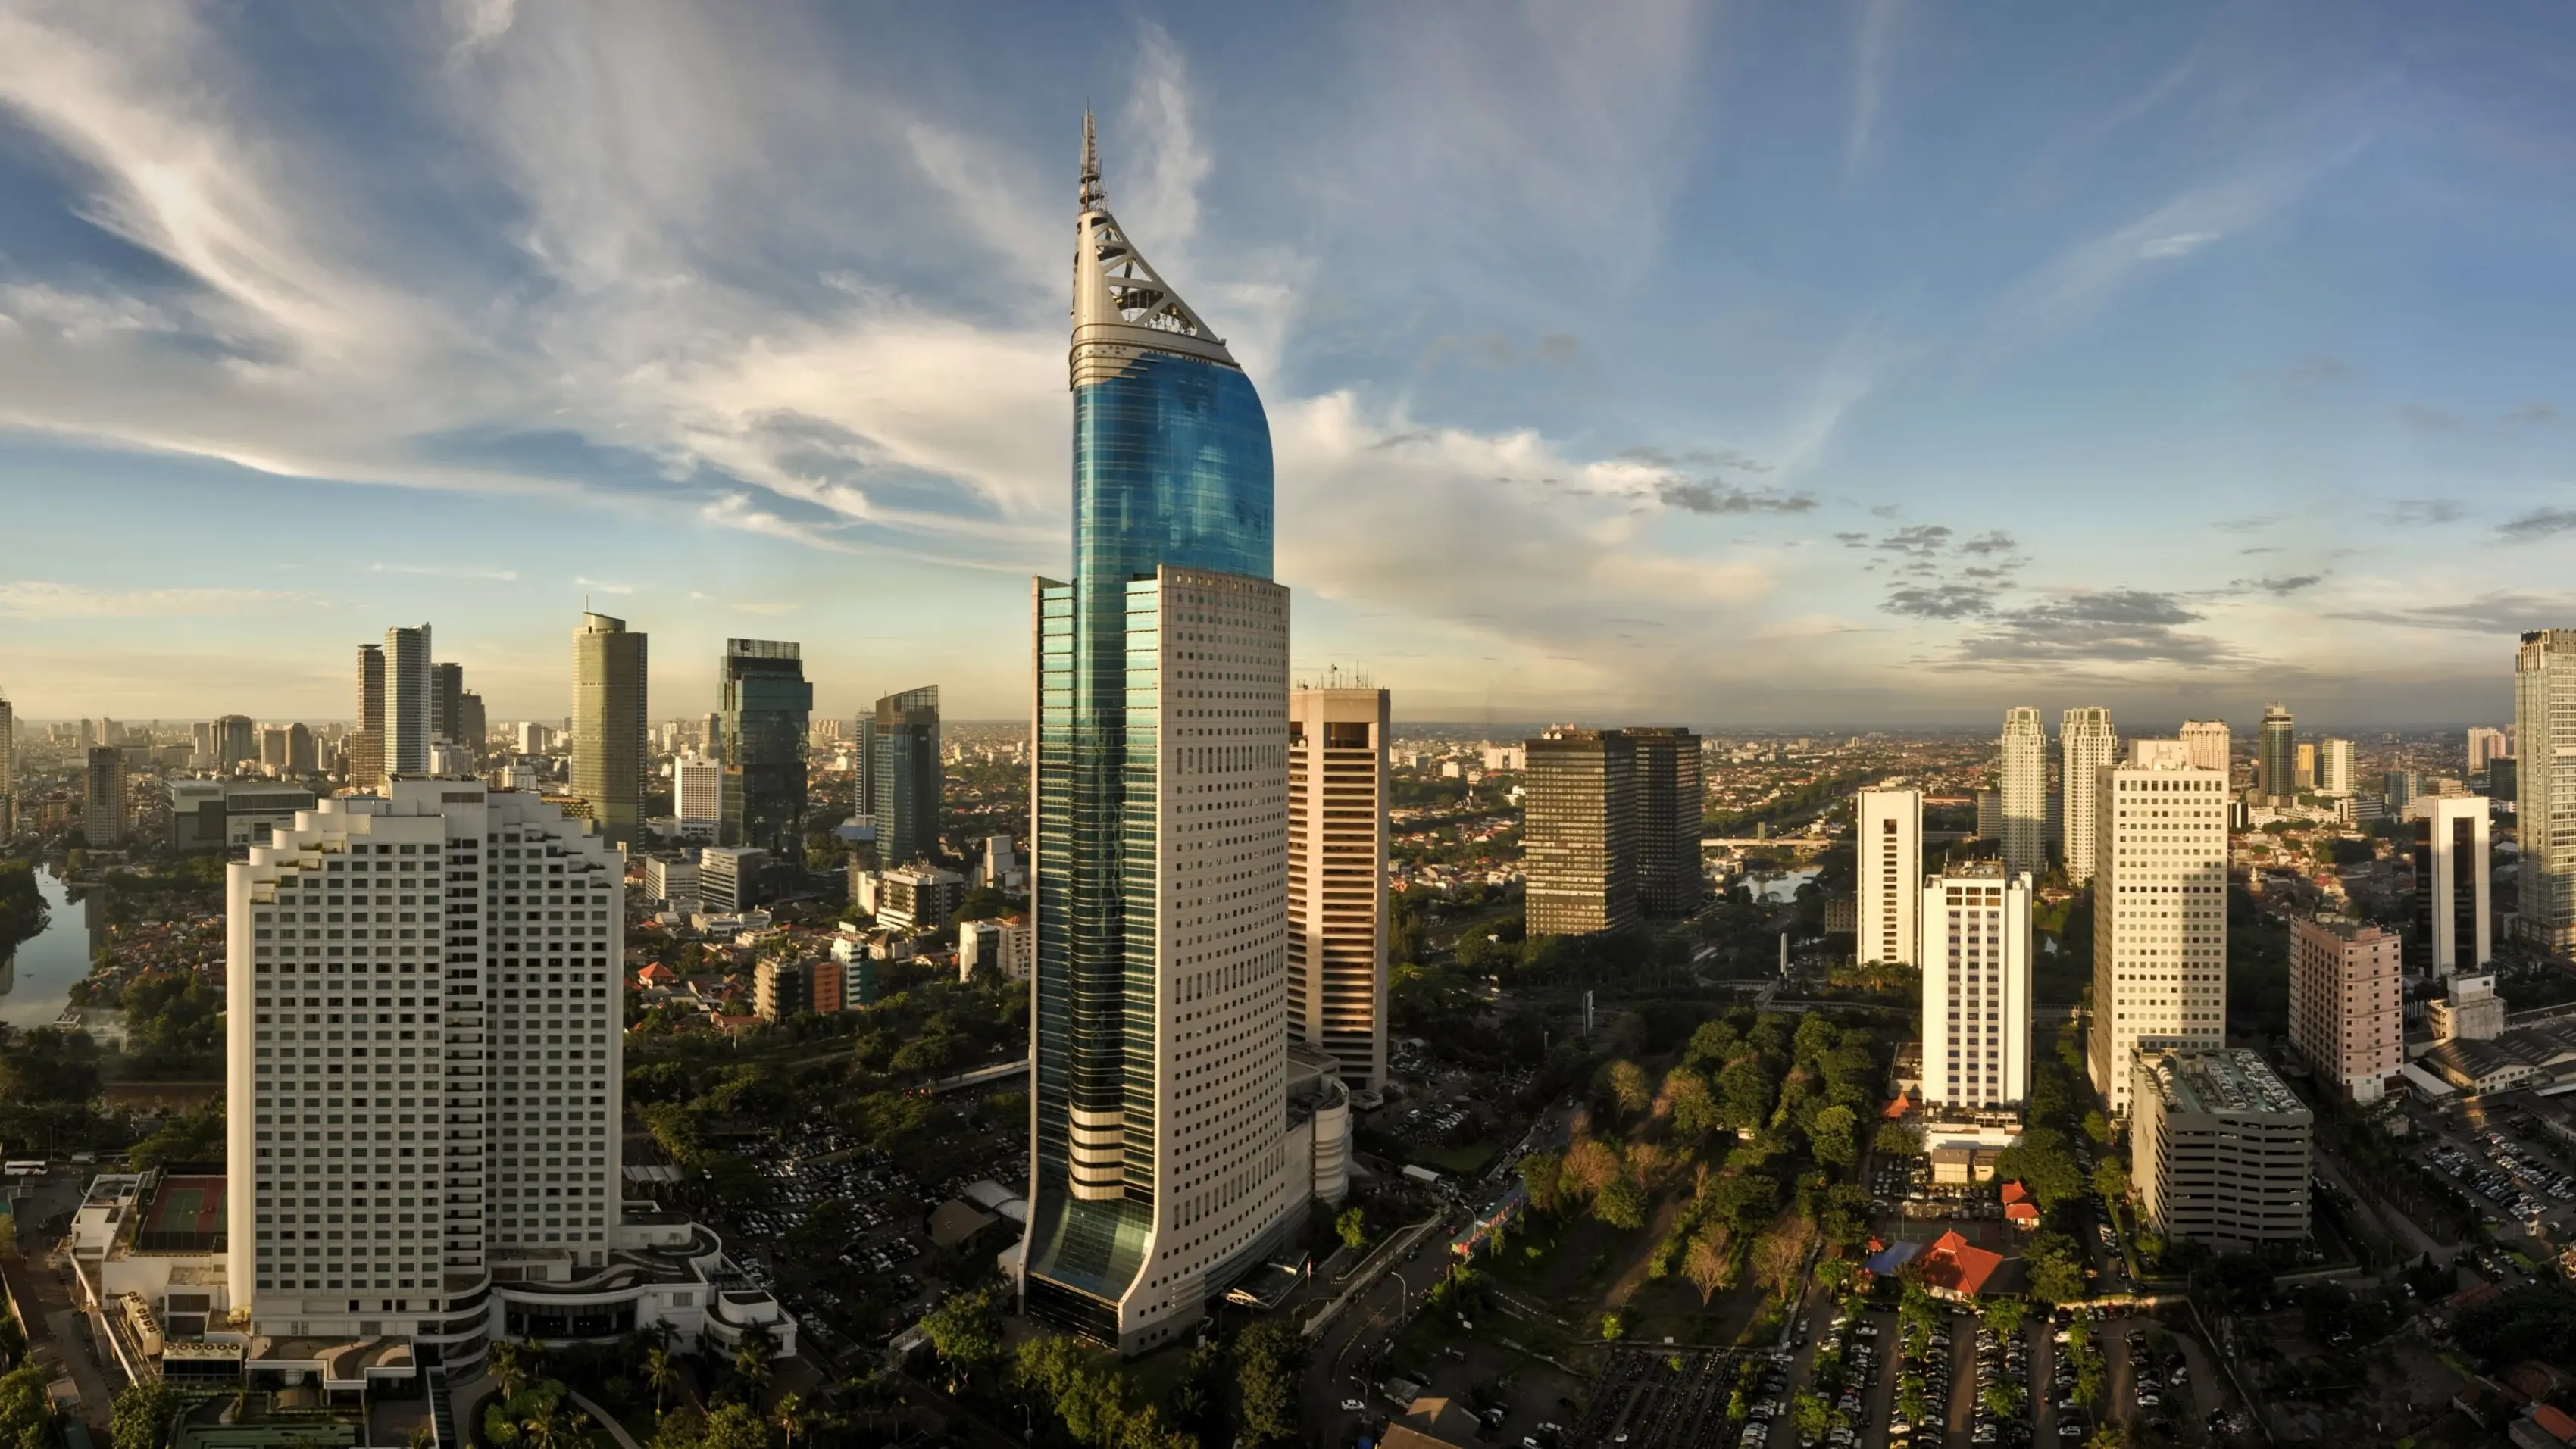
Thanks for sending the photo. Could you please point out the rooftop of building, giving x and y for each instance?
(2347, 928)
(2549, 1046)
(2228, 1080)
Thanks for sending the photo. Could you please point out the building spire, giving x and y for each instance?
(1091, 193)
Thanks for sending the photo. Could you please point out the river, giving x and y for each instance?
(36, 982)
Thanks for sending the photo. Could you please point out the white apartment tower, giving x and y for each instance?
(1889, 844)
(2454, 926)
(1976, 988)
(1337, 795)
(422, 1062)
(2086, 736)
(2159, 911)
(2334, 768)
(697, 789)
(2207, 742)
(2486, 746)
(409, 690)
(2544, 742)
(2022, 778)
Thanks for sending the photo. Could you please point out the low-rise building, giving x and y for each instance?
(731, 877)
(2469, 1009)
(1006, 944)
(2542, 1055)
(670, 880)
(2219, 1148)
(918, 897)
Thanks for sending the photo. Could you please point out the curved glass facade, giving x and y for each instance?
(1171, 467)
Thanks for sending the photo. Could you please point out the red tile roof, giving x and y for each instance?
(1954, 1264)
(2560, 1427)
(2014, 1192)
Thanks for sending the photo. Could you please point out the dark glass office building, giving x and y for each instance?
(762, 703)
(900, 776)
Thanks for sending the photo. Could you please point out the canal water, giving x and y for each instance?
(36, 981)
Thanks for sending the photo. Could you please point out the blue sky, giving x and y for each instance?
(1767, 364)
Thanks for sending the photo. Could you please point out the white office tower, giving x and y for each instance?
(409, 693)
(697, 793)
(2159, 911)
(2089, 742)
(2486, 746)
(2334, 768)
(2544, 741)
(2207, 742)
(1888, 832)
(1976, 988)
(2023, 778)
(423, 1086)
(534, 738)
(2454, 927)
(1337, 794)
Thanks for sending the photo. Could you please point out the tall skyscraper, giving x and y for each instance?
(1671, 882)
(2454, 928)
(2276, 757)
(2159, 911)
(901, 775)
(697, 790)
(2348, 1003)
(516, 1010)
(472, 728)
(2486, 744)
(236, 741)
(303, 756)
(762, 703)
(447, 703)
(1164, 1160)
(1337, 798)
(1579, 833)
(272, 749)
(2022, 776)
(8, 770)
(2544, 725)
(1975, 950)
(2334, 768)
(2304, 773)
(2208, 743)
(2088, 743)
(408, 707)
(609, 758)
(1888, 845)
(366, 752)
(103, 809)
(2399, 789)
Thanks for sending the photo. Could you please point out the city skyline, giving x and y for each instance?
(1836, 429)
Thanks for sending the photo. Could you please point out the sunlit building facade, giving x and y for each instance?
(609, 755)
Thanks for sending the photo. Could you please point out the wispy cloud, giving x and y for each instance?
(2418, 511)
(2179, 244)
(2536, 525)
(1875, 38)
(38, 599)
(600, 586)
(447, 571)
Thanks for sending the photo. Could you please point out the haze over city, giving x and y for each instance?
(1867, 365)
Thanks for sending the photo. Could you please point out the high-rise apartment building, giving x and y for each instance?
(441, 1211)
(365, 756)
(2454, 926)
(2334, 768)
(103, 803)
(1175, 1137)
(2305, 772)
(1671, 882)
(609, 756)
(535, 738)
(2022, 776)
(2088, 743)
(2276, 756)
(697, 790)
(1887, 841)
(473, 728)
(1337, 798)
(2159, 911)
(446, 703)
(1990, 814)
(2219, 1149)
(2486, 745)
(2348, 1002)
(2207, 742)
(901, 778)
(763, 703)
(409, 706)
(2544, 723)
(272, 749)
(1975, 950)
(2398, 788)
(1578, 832)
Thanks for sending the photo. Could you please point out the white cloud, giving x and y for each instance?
(448, 571)
(2180, 244)
(38, 599)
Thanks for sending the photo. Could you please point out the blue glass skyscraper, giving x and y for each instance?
(1168, 1153)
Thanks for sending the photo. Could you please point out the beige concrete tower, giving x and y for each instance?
(2089, 742)
(2159, 911)
(1888, 840)
(1337, 790)
(609, 757)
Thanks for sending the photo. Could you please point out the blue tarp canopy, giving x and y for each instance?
(1892, 1257)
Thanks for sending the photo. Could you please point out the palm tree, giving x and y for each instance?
(661, 1375)
(752, 1360)
(788, 1414)
(544, 1428)
(509, 1369)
